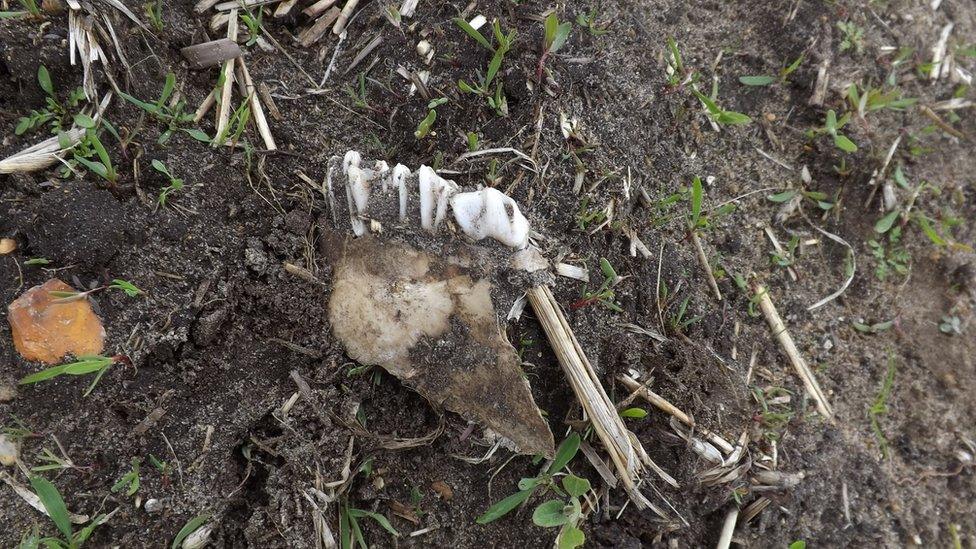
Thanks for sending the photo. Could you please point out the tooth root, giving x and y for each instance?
(435, 194)
(489, 213)
(400, 174)
(357, 197)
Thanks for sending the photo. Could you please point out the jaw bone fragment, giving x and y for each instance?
(419, 302)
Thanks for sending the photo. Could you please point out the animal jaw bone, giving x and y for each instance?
(479, 214)
(428, 318)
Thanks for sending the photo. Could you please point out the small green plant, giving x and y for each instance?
(697, 219)
(787, 257)
(191, 526)
(358, 94)
(154, 13)
(822, 200)
(564, 514)
(53, 503)
(832, 127)
(52, 462)
(679, 322)
(472, 141)
(879, 407)
(31, 9)
(951, 325)
(95, 364)
(494, 96)
(175, 183)
(350, 533)
(528, 486)
(853, 37)
(553, 39)
(589, 22)
(873, 99)
(129, 483)
(604, 295)
(174, 117)
(890, 258)
(253, 23)
(875, 328)
(125, 286)
(766, 80)
(717, 113)
(91, 147)
(55, 114)
(423, 129)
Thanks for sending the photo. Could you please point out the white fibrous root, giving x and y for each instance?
(485, 213)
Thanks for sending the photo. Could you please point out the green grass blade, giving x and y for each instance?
(51, 499)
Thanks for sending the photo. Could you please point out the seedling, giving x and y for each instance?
(173, 116)
(678, 322)
(553, 39)
(890, 258)
(832, 127)
(129, 483)
(351, 533)
(472, 141)
(564, 514)
(55, 113)
(853, 37)
(822, 200)
(85, 365)
(588, 21)
(129, 288)
(423, 129)
(604, 295)
(717, 113)
(253, 24)
(154, 13)
(875, 328)
(546, 481)
(91, 146)
(788, 257)
(191, 526)
(697, 219)
(880, 406)
(951, 325)
(358, 94)
(495, 97)
(677, 74)
(873, 99)
(53, 503)
(53, 462)
(175, 183)
(765, 80)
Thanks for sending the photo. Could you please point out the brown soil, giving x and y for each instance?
(222, 324)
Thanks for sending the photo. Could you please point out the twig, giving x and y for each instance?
(662, 404)
(728, 528)
(596, 404)
(778, 328)
(941, 123)
(712, 283)
(340, 24)
(878, 174)
(224, 109)
(248, 90)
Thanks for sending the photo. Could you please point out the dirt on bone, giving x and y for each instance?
(427, 321)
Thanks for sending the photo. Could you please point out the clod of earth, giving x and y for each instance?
(425, 317)
(46, 330)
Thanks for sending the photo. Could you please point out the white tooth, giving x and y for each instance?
(488, 212)
(357, 197)
(399, 177)
(435, 194)
(352, 158)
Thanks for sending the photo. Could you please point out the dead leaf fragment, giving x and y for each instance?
(7, 245)
(443, 489)
(45, 331)
(404, 512)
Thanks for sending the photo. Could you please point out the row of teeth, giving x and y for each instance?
(479, 214)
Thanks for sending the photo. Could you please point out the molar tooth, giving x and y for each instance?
(489, 212)
(357, 197)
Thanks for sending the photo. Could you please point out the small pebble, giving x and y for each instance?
(9, 450)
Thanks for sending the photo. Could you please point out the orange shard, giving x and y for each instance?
(45, 331)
